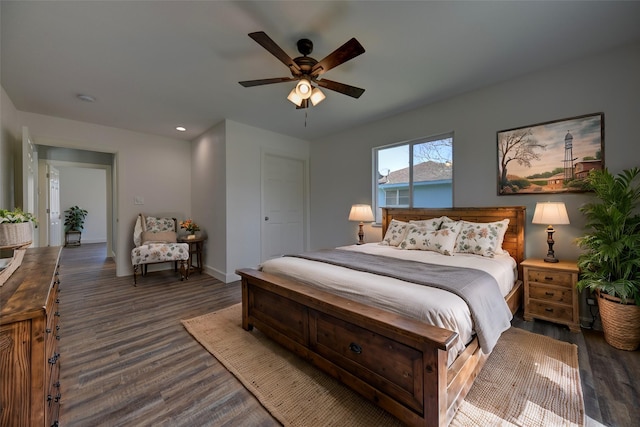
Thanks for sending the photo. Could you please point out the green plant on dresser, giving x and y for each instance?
(610, 263)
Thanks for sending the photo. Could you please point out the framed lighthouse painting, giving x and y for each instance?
(550, 157)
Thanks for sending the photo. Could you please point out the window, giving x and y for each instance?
(414, 174)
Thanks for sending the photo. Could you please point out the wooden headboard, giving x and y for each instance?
(513, 238)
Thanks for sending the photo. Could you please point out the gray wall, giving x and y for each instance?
(606, 83)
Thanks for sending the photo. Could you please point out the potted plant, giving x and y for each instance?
(73, 225)
(610, 263)
(16, 227)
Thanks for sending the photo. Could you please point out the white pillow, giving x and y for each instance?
(395, 234)
(424, 239)
(482, 238)
(432, 224)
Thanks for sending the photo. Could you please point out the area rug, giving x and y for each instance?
(528, 380)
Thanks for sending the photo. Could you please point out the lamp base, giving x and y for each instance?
(551, 256)
(361, 234)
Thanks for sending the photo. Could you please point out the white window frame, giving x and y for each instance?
(411, 144)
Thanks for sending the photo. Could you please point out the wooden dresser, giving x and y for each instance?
(29, 334)
(550, 292)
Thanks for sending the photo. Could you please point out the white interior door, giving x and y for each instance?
(53, 211)
(283, 185)
(29, 177)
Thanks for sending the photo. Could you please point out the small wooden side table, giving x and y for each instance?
(550, 292)
(196, 247)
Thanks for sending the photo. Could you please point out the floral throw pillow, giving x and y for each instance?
(424, 239)
(159, 224)
(395, 233)
(481, 238)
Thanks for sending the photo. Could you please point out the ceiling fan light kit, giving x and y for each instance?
(306, 70)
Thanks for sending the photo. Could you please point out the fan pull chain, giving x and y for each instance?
(305, 118)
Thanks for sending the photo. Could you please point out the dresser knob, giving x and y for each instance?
(357, 349)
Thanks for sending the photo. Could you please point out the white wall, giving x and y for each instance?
(208, 196)
(163, 179)
(227, 173)
(606, 83)
(9, 143)
(74, 183)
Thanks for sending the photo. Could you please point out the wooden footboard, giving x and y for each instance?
(396, 362)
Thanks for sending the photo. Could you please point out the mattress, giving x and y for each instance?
(434, 306)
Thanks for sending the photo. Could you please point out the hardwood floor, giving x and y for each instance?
(126, 360)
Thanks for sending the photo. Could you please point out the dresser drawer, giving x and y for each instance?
(559, 278)
(361, 351)
(549, 311)
(550, 293)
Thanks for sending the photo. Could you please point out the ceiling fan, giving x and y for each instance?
(306, 70)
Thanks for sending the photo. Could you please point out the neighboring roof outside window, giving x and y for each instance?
(422, 172)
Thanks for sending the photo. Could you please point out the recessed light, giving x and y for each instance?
(181, 128)
(86, 98)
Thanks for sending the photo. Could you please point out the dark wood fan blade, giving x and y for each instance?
(352, 91)
(266, 42)
(347, 51)
(249, 83)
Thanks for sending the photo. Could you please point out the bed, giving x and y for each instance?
(415, 370)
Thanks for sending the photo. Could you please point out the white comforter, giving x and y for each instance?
(435, 306)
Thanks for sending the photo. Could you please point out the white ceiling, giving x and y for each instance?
(153, 65)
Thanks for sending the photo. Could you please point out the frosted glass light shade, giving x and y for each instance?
(317, 96)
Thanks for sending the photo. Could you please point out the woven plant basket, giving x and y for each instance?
(620, 322)
(15, 234)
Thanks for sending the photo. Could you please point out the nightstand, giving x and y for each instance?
(550, 292)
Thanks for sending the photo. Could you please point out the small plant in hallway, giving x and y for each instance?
(74, 219)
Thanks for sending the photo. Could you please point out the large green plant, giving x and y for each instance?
(611, 260)
(74, 218)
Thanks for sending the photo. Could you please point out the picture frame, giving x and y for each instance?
(550, 157)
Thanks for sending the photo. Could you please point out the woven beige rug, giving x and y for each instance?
(529, 380)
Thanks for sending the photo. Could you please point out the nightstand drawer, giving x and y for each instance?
(559, 278)
(551, 312)
(550, 293)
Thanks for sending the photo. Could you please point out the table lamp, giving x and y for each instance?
(550, 213)
(361, 213)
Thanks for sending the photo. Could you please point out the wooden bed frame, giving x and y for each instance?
(397, 362)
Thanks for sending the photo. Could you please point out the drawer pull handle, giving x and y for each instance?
(355, 348)
(550, 310)
(549, 293)
(548, 278)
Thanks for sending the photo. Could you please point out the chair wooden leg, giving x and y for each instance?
(184, 272)
(135, 271)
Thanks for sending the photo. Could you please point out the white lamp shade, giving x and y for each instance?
(362, 213)
(551, 213)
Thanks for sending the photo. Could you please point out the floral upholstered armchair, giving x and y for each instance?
(155, 241)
